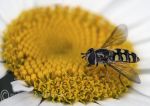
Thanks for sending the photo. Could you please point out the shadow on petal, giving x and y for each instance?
(21, 99)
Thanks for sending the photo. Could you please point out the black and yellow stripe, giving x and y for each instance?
(123, 55)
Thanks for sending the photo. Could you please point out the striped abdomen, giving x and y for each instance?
(122, 55)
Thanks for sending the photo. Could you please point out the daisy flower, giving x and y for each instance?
(41, 42)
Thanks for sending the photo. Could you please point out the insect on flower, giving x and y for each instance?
(118, 59)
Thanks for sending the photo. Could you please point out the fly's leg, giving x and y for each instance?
(88, 65)
(96, 64)
(106, 74)
(121, 80)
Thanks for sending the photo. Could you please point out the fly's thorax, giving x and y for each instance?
(123, 55)
(103, 55)
(102, 52)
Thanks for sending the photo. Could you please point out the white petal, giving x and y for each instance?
(3, 70)
(20, 85)
(28, 3)
(130, 99)
(140, 37)
(92, 104)
(143, 52)
(144, 87)
(49, 103)
(128, 11)
(9, 9)
(140, 32)
(78, 104)
(2, 24)
(21, 99)
(95, 6)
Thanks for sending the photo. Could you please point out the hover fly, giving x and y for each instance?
(118, 59)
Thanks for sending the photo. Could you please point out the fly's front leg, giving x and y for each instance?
(96, 64)
(121, 80)
(88, 65)
(106, 74)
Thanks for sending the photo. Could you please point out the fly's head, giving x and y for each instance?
(90, 56)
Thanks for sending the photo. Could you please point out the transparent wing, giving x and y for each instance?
(118, 36)
(125, 70)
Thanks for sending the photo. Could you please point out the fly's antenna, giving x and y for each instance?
(83, 53)
(83, 56)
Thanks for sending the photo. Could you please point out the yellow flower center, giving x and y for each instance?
(43, 45)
